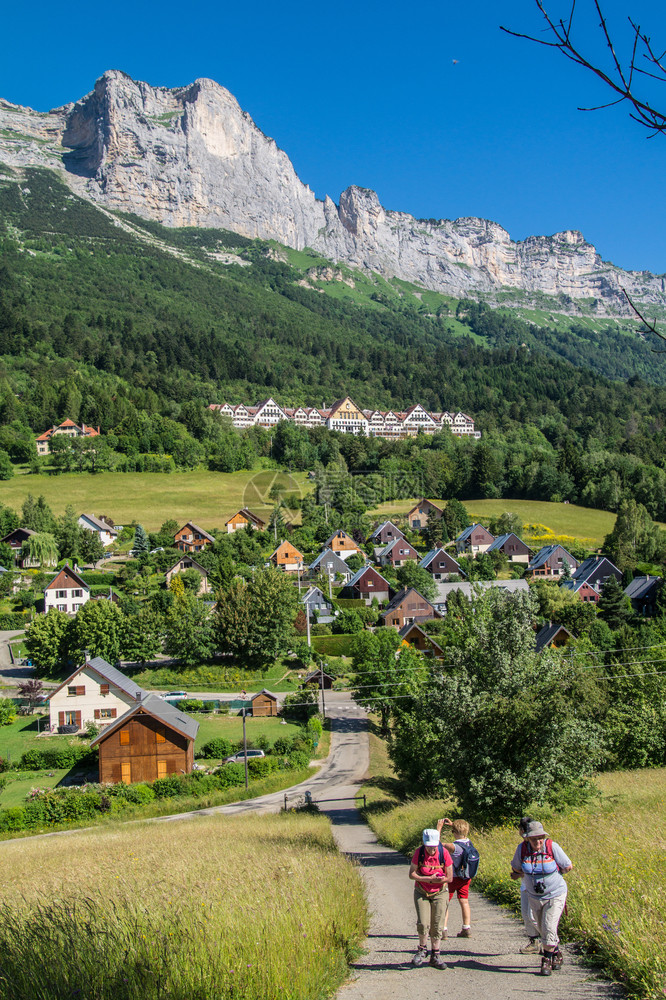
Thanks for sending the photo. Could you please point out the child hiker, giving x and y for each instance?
(431, 870)
(459, 885)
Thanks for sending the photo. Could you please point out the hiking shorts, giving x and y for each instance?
(459, 886)
(430, 908)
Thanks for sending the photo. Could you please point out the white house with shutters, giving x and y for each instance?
(67, 592)
(95, 692)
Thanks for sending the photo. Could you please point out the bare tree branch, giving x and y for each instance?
(650, 325)
(619, 77)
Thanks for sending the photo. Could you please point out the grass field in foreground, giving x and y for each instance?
(586, 524)
(208, 498)
(618, 885)
(213, 908)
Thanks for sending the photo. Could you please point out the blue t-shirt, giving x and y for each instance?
(542, 867)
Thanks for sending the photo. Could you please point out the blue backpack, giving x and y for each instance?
(468, 863)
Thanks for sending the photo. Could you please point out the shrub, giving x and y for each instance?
(169, 787)
(12, 622)
(12, 819)
(262, 742)
(8, 712)
(230, 775)
(191, 705)
(55, 757)
(209, 706)
(260, 767)
(283, 746)
(301, 704)
(217, 748)
(137, 794)
(297, 760)
(314, 728)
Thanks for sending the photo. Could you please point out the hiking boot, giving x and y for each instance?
(546, 965)
(437, 960)
(531, 948)
(557, 958)
(420, 956)
(465, 932)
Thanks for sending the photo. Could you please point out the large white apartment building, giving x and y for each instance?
(344, 415)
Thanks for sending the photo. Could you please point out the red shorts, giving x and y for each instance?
(460, 886)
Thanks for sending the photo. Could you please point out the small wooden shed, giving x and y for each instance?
(264, 704)
(151, 740)
(320, 680)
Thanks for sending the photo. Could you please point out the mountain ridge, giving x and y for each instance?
(190, 156)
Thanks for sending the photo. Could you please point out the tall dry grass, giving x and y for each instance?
(617, 890)
(211, 908)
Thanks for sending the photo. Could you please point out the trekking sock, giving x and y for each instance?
(467, 927)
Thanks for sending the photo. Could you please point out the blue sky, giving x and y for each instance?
(368, 93)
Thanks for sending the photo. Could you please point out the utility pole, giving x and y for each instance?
(330, 588)
(307, 616)
(245, 746)
(321, 681)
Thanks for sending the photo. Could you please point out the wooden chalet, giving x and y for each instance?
(241, 519)
(513, 547)
(287, 558)
(151, 740)
(365, 585)
(552, 635)
(331, 565)
(406, 607)
(319, 679)
(192, 538)
(424, 510)
(595, 570)
(549, 563)
(15, 540)
(413, 635)
(342, 545)
(397, 553)
(581, 589)
(264, 704)
(386, 533)
(441, 565)
(474, 540)
(184, 563)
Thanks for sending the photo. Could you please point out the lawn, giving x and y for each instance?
(231, 727)
(209, 498)
(560, 520)
(218, 677)
(186, 919)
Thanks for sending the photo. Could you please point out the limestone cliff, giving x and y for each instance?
(192, 157)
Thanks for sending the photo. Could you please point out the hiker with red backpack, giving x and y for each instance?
(431, 870)
(541, 863)
(465, 866)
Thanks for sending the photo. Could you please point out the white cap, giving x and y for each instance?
(431, 838)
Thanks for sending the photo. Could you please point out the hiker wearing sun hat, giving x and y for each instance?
(431, 870)
(541, 863)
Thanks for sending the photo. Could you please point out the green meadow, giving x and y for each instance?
(151, 498)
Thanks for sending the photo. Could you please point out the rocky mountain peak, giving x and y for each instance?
(190, 156)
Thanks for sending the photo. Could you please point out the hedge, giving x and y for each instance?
(47, 758)
(98, 579)
(348, 602)
(333, 645)
(10, 622)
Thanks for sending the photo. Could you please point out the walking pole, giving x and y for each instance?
(245, 747)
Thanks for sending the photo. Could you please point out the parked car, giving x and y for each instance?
(175, 694)
(238, 758)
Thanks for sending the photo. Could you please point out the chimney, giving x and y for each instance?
(86, 656)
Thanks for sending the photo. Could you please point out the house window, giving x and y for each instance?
(125, 772)
(62, 607)
(395, 621)
(159, 736)
(77, 593)
(161, 769)
(60, 594)
(107, 713)
(72, 690)
(104, 689)
(70, 718)
(124, 738)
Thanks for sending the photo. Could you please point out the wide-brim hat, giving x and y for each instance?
(535, 829)
(431, 838)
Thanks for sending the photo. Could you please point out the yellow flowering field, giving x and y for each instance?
(212, 908)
